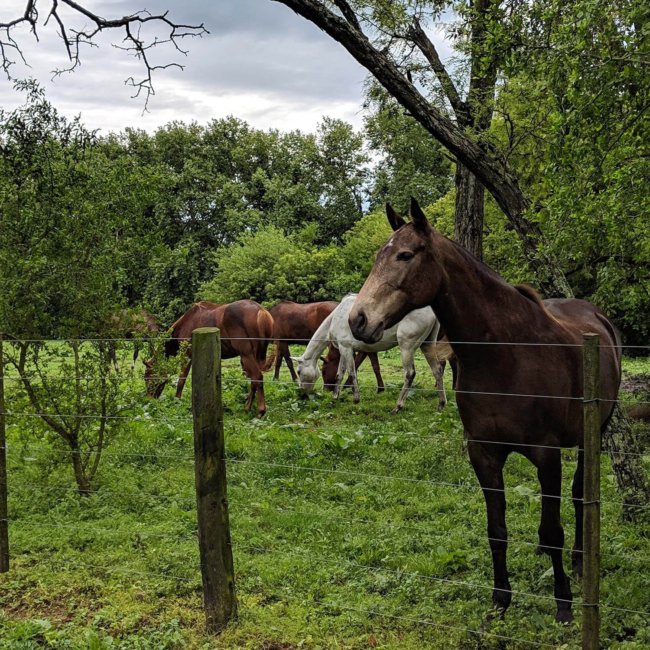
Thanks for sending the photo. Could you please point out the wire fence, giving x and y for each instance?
(273, 516)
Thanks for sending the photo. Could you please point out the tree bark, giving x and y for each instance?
(469, 213)
(619, 443)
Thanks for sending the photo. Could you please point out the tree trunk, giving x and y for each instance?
(619, 443)
(468, 222)
(83, 483)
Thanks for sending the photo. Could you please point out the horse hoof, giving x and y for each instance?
(564, 616)
(396, 410)
(494, 614)
(441, 406)
(380, 389)
(356, 400)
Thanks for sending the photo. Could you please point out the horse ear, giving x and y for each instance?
(394, 219)
(419, 218)
(148, 362)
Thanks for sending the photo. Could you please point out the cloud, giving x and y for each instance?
(260, 62)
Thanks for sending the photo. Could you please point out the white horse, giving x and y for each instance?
(419, 329)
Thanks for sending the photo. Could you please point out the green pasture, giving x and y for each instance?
(352, 528)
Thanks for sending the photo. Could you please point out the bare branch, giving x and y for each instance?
(74, 39)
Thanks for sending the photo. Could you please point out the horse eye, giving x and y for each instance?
(405, 255)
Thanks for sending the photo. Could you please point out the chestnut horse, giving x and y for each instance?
(246, 331)
(295, 324)
(519, 392)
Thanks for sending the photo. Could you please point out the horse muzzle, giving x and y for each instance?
(363, 330)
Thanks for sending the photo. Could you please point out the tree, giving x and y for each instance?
(343, 23)
(57, 261)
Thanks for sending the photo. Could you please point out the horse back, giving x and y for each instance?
(299, 322)
(246, 329)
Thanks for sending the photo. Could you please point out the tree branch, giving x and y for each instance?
(348, 13)
(426, 46)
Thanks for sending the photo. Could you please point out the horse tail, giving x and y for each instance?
(265, 333)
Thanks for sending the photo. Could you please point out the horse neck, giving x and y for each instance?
(319, 341)
(475, 304)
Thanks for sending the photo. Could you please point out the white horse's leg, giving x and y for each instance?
(438, 370)
(406, 352)
(346, 364)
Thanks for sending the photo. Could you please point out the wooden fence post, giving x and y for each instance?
(591, 495)
(217, 568)
(4, 523)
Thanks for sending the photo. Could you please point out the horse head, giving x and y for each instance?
(401, 278)
(308, 373)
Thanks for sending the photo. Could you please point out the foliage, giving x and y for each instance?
(71, 396)
(411, 162)
(574, 116)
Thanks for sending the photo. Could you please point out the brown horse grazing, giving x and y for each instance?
(295, 324)
(246, 331)
(331, 366)
(133, 324)
(532, 349)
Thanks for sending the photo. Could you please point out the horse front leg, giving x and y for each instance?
(346, 361)
(488, 466)
(408, 365)
(182, 378)
(551, 533)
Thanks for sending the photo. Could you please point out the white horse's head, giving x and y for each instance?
(308, 373)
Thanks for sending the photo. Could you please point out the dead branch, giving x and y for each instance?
(75, 38)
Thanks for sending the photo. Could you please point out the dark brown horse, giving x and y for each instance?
(246, 331)
(295, 324)
(133, 324)
(530, 349)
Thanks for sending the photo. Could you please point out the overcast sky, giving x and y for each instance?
(260, 62)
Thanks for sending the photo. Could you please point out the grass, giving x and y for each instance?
(351, 527)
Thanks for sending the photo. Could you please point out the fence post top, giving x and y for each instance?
(205, 330)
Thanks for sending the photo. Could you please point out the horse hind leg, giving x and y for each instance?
(551, 533)
(278, 361)
(374, 361)
(254, 373)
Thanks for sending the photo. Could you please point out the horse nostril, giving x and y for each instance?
(362, 321)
